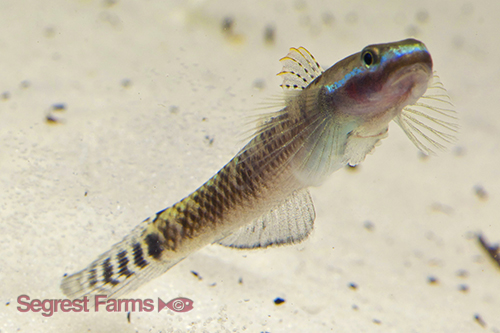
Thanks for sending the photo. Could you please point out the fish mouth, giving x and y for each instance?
(410, 82)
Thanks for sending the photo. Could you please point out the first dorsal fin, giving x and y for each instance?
(299, 69)
(289, 222)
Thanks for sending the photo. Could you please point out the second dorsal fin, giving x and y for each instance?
(299, 69)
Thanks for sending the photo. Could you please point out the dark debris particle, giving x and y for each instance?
(50, 119)
(227, 25)
(355, 307)
(126, 83)
(479, 320)
(269, 34)
(368, 225)
(462, 273)
(58, 107)
(279, 301)
(128, 317)
(65, 274)
(5, 95)
(85, 194)
(197, 275)
(213, 284)
(353, 286)
(8, 303)
(209, 140)
(492, 250)
(432, 280)
(25, 84)
(377, 321)
(240, 280)
(174, 109)
(480, 192)
(463, 288)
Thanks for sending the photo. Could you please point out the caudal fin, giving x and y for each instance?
(125, 267)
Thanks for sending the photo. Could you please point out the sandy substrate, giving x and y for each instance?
(156, 98)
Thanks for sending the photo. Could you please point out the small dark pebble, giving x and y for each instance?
(128, 317)
(369, 225)
(432, 280)
(279, 300)
(493, 250)
(59, 107)
(197, 275)
(462, 273)
(376, 321)
(270, 34)
(126, 83)
(7, 303)
(463, 288)
(353, 285)
(480, 192)
(227, 25)
(240, 281)
(479, 320)
(209, 140)
(50, 119)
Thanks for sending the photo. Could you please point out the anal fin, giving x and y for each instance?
(289, 222)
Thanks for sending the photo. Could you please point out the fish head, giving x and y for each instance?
(369, 88)
(396, 74)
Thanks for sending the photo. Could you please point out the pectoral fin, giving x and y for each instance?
(289, 222)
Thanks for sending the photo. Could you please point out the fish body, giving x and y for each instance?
(331, 118)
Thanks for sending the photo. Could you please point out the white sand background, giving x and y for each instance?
(120, 153)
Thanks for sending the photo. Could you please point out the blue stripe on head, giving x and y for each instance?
(402, 50)
(334, 86)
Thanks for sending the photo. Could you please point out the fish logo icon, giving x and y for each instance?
(179, 304)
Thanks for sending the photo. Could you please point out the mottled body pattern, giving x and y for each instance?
(259, 198)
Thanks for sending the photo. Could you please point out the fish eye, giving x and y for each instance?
(368, 57)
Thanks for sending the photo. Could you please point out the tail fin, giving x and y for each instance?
(126, 266)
